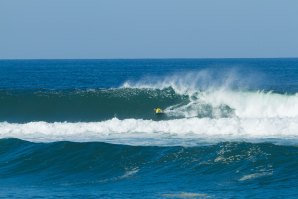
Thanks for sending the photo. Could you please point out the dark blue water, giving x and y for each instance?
(86, 128)
(279, 74)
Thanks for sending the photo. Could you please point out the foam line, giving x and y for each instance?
(142, 132)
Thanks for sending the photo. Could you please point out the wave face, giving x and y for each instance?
(84, 105)
(103, 170)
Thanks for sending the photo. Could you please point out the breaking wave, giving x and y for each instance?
(196, 110)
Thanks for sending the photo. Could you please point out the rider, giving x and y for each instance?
(158, 110)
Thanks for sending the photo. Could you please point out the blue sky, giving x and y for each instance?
(148, 28)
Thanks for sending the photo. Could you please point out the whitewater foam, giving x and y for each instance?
(240, 104)
(255, 175)
(236, 103)
(225, 94)
(147, 132)
(254, 104)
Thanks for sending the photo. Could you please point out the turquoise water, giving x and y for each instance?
(86, 128)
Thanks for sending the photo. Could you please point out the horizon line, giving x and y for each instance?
(152, 58)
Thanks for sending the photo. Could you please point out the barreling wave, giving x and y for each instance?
(138, 103)
(196, 110)
(217, 95)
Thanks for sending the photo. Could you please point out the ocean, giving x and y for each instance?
(87, 128)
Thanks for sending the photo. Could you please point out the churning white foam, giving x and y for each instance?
(251, 104)
(147, 132)
(227, 91)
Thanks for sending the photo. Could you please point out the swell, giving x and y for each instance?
(72, 164)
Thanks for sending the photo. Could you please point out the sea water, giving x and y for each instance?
(87, 129)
